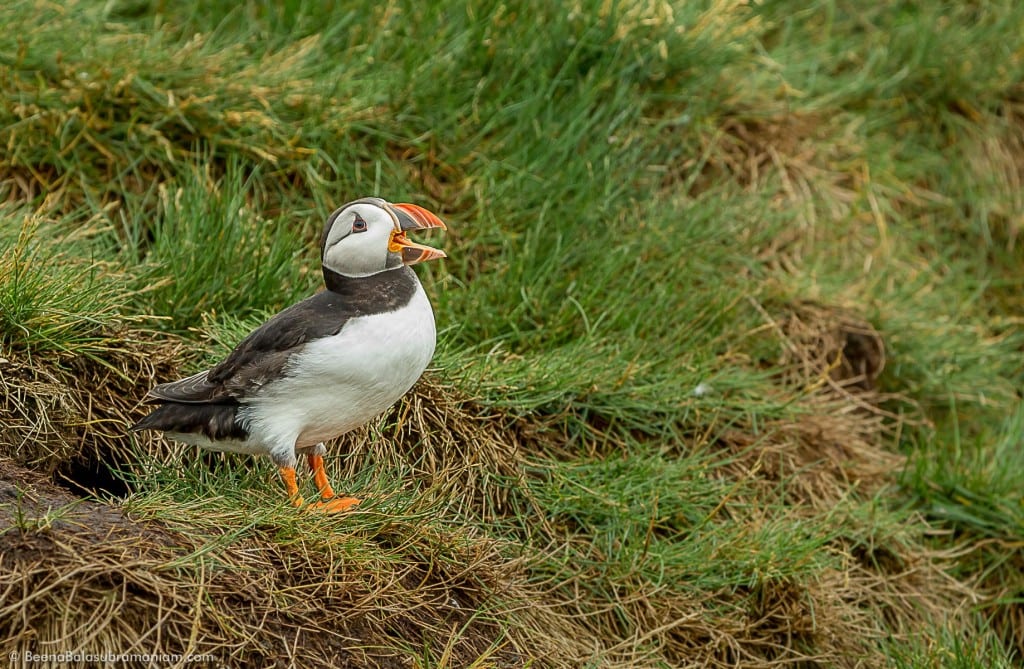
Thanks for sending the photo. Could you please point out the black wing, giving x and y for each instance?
(262, 355)
(208, 402)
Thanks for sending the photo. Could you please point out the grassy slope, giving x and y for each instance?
(645, 199)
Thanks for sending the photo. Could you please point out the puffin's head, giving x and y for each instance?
(367, 236)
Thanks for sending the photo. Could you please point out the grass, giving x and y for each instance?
(189, 252)
(730, 351)
(59, 294)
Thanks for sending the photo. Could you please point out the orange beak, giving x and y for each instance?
(414, 217)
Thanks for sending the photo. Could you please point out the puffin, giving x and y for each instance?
(323, 366)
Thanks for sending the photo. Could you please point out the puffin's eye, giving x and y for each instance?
(358, 225)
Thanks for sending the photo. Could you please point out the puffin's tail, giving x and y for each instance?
(215, 421)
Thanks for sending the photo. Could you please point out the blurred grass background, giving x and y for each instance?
(730, 324)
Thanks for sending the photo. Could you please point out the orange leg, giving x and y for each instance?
(330, 502)
(316, 465)
(288, 476)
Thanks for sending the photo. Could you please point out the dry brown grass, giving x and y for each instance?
(808, 160)
(82, 575)
(832, 357)
(467, 457)
(58, 409)
(777, 623)
(89, 577)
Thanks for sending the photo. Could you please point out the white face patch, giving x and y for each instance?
(357, 243)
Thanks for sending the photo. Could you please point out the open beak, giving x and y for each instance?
(413, 217)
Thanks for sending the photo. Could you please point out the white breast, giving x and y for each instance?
(341, 382)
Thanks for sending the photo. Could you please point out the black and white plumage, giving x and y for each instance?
(325, 365)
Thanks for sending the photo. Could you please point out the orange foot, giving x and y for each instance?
(335, 505)
(330, 503)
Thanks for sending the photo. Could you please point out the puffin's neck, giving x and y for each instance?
(383, 291)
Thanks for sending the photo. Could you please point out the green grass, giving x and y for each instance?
(58, 293)
(193, 250)
(640, 197)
